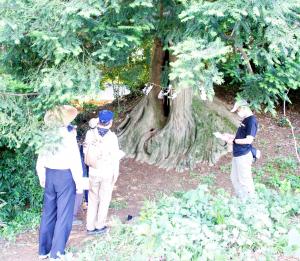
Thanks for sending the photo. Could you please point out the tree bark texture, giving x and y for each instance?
(180, 140)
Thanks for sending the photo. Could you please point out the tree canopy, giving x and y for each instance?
(54, 51)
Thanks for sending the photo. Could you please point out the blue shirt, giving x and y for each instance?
(248, 127)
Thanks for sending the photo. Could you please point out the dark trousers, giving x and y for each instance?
(86, 196)
(85, 169)
(57, 217)
(78, 201)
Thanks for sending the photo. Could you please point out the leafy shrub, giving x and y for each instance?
(283, 122)
(19, 183)
(2, 204)
(279, 173)
(200, 226)
(26, 220)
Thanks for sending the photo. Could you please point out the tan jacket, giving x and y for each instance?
(108, 161)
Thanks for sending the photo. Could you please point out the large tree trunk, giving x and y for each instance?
(181, 139)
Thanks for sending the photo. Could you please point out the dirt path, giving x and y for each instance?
(139, 181)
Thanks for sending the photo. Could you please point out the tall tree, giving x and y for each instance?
(57, 48)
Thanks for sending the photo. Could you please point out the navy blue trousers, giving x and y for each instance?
(57, 217)
(85, 170)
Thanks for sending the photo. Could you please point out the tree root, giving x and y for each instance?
(185, 139)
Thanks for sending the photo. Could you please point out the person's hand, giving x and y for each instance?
(230, 141)
(228, 137)
(218, 135)
(42, 183)
(223, 136)
(79, 191)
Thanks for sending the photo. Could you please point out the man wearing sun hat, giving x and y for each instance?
(243, 151)
(60, 173)
(103, 170)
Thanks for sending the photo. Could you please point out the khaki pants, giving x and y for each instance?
(100, 192)
(241, 176)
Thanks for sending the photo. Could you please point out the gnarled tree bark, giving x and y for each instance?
(183, 138)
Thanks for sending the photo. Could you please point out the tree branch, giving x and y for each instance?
(238, 48)
(246, 58)
(295, 140)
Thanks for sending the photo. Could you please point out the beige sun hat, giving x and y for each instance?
(238, 104)
(60, 115)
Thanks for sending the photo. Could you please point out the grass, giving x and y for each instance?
(278, 173)
(25, 221)
(118, 204)
(226, 168)
(209, 179)
(263, 144)
(194, 175)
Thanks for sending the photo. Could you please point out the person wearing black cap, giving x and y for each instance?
(102, 155)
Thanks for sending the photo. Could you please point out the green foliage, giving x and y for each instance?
(118, 204)
(197, 225)
(135, 73)
(19, 183)
(195, 66)
(208, 179)
(2, 204)
(60, 50)
(15, 116)
(283, 122)
(272, 85)
(25, 221)
(293, 248)
(226, 168)
(279, 173)
(261, 39)
(56, 49)
(52, 52)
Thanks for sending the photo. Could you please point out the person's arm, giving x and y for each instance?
(41, 170)
(228, 138)
(251, 129)
(248, 140)
(116, 158)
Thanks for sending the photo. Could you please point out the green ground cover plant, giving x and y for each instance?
(25, 221)
(197, 225)
(20, 192)
(279, 173)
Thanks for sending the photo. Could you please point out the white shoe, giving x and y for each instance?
(258, 154)
(44, 256)
(59, 258)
